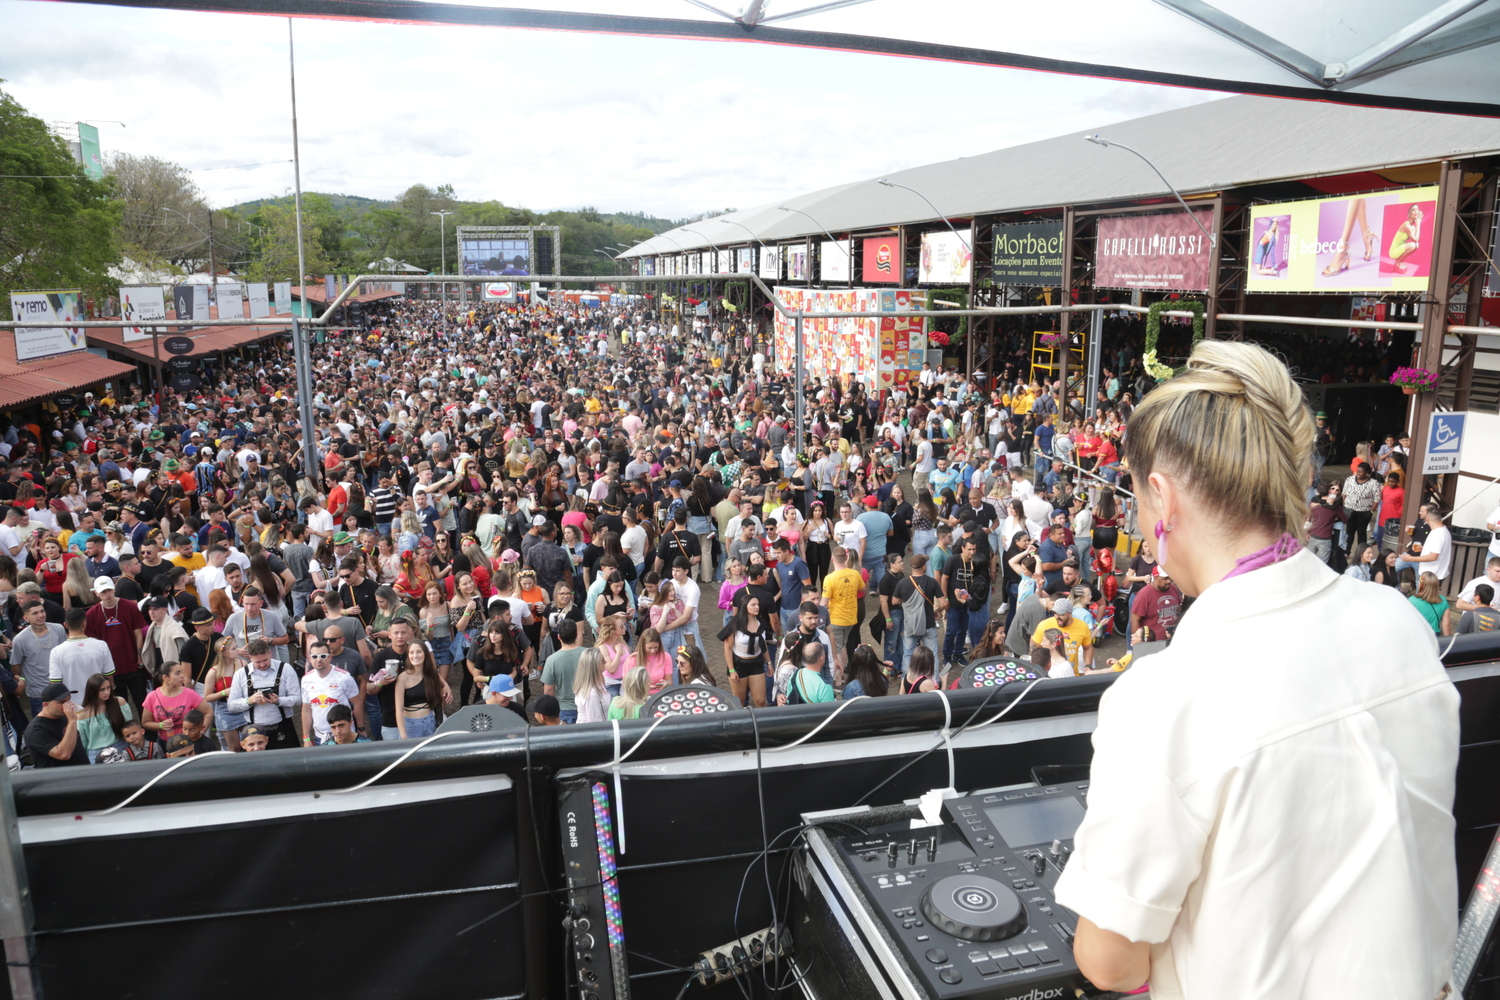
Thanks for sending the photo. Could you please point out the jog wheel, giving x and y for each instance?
(974, 908)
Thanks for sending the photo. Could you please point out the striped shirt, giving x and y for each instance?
(1363, 496)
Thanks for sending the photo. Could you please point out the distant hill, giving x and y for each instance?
(651, 222)
(339, 201)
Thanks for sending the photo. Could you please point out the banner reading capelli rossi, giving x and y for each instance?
(1357, 243)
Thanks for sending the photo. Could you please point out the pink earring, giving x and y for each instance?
(1161, 544)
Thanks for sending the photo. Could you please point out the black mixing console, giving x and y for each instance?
(967, 904)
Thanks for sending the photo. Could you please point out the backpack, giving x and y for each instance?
(914, 608)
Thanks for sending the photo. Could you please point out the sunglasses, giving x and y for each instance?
(317, 656)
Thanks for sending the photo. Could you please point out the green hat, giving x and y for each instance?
(1321, 415)
(170, 465)
(156, 435)
(342, 538)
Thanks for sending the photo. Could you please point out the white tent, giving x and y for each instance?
(1414, 54)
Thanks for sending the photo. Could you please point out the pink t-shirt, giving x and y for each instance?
(170, 711)
(617, 657)
(659, 669)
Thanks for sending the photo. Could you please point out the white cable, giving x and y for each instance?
(1001, 714)
(946, 735)
(819, 728)
(147, 786)
(619, 795)
(1451, 641)
(394, 764)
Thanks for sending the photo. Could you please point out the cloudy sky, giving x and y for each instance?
(535, 119)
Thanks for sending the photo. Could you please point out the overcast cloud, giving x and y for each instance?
(534, 119)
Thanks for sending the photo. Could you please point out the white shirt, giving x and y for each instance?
(925, 464)
(689, 593)
(209, 579)
(1441, 542)
(633, 542)
(1467, 594)
(1261, 824)
(848, 534)
(320, 523)
(322, 693)
(10, 541)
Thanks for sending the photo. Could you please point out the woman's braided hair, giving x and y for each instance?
(1236, 429)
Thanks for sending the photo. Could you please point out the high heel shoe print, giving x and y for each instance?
(1369, 244)
(1340, 262)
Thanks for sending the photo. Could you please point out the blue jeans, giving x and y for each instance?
(36, 707)
(958, 630)
(417, 729)
(876, 570)
(373, 717)
(923, 541)
(568, 715)
(911, 642)
(299, 603)
(1042, 463)
(670, 640)
(892, 650)
(790, 620)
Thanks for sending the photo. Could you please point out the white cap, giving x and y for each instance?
(102, 584)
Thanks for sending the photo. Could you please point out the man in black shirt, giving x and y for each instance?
(920, 599)
(52, 736)
(765, 585)
(677, 541)
(357, 590)
(890, 608)
(202, 643)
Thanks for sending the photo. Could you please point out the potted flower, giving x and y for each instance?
(1414, 380)
(1054, 339)
(939, 338)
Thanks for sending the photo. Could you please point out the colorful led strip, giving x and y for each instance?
(608, 883)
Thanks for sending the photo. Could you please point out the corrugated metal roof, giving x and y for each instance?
(318, 293)
(1217, 146)
(22, 382)
(206, 339)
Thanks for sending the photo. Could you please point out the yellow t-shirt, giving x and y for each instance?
(192, 564)
(1076, 637)
(842, 590)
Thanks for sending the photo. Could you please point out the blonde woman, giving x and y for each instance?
(1198, 779)
(628, 704)
(589, 692)
(78, 587)
(610, 642)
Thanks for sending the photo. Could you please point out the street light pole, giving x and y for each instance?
(1099, 140)
(301, 356)
(890, 183)
(443, 245)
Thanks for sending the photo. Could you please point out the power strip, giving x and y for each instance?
(723, 963)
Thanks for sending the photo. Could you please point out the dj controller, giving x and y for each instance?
(964, 908)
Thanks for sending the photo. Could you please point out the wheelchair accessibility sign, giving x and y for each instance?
(1445, 443)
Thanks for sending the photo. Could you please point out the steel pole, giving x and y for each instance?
(799, 405)
(301, 356)
(15, 901)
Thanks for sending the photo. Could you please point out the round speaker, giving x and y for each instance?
(994, 671)
(689, 699)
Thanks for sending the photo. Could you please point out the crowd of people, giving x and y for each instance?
(532, 506)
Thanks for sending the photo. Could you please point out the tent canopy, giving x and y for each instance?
(1419, 54)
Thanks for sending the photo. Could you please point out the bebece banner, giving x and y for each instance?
(833, 260)
(882, 259)
(260, 302)
(140, 305)
(946, 259)
(283, 291)
(1028, 254)
(43, 342)
(1360, 243)
(1166, 251)
(231, 300)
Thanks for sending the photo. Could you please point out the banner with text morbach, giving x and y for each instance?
(43, 342)
(260, 302)
(882, 259)
(1380, 242)
(1028, 254)
(946, 258)
(1164, 251)
(141, 304)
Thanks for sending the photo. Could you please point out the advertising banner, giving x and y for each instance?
(833, 260)
(190, 302)
(283, 291)
(945, 259)
(509, 256)
(501, 291)
(1028, 254)
(231, 300)
(88, 151)
(1166, 251)
(882, 352)
(882, 259)
(770, 263)
(139, 305)
(725, 262)
(260, 303)
(746, 264)
(796, 262)
(44, 342)
(1366, 243)
(648, 265)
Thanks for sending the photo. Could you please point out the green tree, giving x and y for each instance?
(274, 246)
(57, 227)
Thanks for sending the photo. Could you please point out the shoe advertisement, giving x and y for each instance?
(1358, 243)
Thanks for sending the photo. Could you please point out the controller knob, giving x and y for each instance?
(974, 908)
